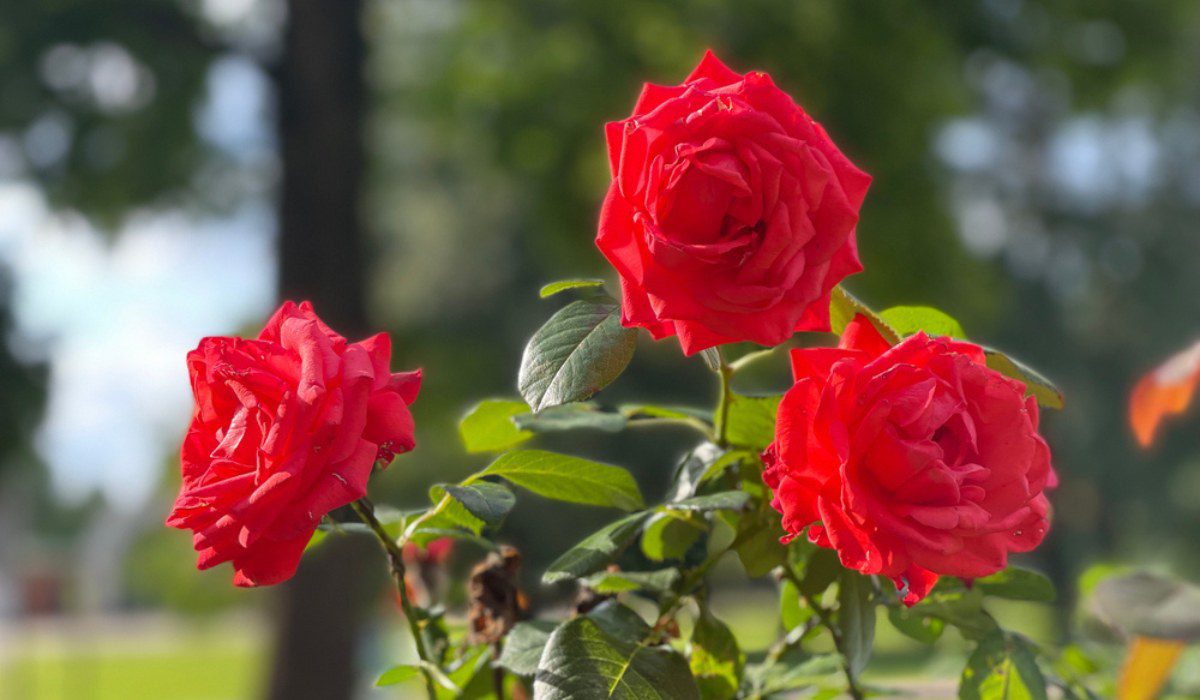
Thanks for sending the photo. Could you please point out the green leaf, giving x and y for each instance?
(1042, 389)
(579, 351)
(398, 674)
(524, 645)
(722, 500)
(856, 620)
(907, 320)
(922, 628)
(691, 470)
(751, 421)
(596, 550)
(1002, 668)
(844, 306)
(716, 660)
(962, 609)
(670, 535)
(486, 501)
(572, 416)
(582, 661)
(553, 288)
(642, 411)
(793, 674)
(317, 538)
(1016, 583)
(619, 621)
(793, 612)
(611, 582)
(488, 426)
(757, 545)
(571, 479)
(821, 569)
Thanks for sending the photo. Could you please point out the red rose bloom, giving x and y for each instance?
(286, 428)
(913, 461)
(731, 213)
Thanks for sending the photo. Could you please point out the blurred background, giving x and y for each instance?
(170, 168)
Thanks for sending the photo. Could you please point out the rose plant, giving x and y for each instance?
(896, 475)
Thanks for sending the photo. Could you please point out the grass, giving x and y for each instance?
(206, 663)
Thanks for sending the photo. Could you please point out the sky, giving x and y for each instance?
(114, 316)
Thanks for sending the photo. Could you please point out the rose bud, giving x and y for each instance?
(913, 461)
(286, 428)
(731, 214)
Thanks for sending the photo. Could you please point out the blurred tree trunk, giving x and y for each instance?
(321, 107)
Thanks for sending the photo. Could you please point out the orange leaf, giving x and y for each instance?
(1165, 391)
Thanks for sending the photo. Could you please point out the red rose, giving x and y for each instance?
(731, 213)
(286, 428)
(914, 460)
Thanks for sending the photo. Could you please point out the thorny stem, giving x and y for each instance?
(395, 555)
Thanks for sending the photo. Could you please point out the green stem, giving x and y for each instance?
(724, 399)
(826, 620)
(395, 555)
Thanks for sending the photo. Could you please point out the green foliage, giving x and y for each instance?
(489, 426)
(583, 661)
(1016, 583)
(844, 306)
(716, 660)
(571, 479)
(485, 502)
(907, 320)
(613, 582)
(572, 416)
(751, 421)
(596, 550)
(855, 621)
(1003, 667)
(553, 288)
(670, 535)
(1042, 389)
(524, 645)
(579, 351)
(398, 674)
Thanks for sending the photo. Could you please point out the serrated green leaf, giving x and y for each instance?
(855, 620)
(572, 416)
(1041, 388)
(596, 550)
(1016, 583)
(611, 582)
(751, 421)
(844, 306)
(922, 628)
(792, 674)
(397, 674)
(488, 426)
(582, 662)
(722, 500)
(553, 288)
(670, 535)
(524, 645)
(907, 320)
(1002, 668)
(566, 478)
(579, 351)
(716, 660)
(488, 502)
